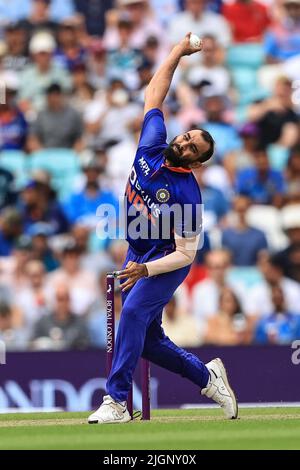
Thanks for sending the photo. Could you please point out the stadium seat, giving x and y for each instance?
(247, 276)
(245, 82)
(244, 61)
(251, 56)
(62, 164)
(278, 156)
(16, 162)
(244, 79)
(240, 114)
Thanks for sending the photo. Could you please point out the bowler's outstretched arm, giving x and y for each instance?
(159, 86)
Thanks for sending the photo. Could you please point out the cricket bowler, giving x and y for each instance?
(155, 266)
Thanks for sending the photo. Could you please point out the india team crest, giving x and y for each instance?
(163, 195)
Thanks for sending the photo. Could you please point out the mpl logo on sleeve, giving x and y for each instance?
(144, 166)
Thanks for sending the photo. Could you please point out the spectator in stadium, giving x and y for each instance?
(40, 74)
(275, 117)
(211, 68)
(11, 228)
(13, 268)
(83, 37)
(225, 134)
(32, 298)
(151, 50)
(293, 173)
(16, 55)
(123, 60)
(215, 205)
(93, 13)
(229, 326)
(83, 92)
(244, 157)
(62, 328)
(282, 41)
(2, 53)
(289, 258)
(196, 18)
(248, 19)
(99, 305)
(13, 126)
(40, 233)
(96, 262)
(281, 326)
(14, 338)
(97, 64)
(39, 17)
(244, 242)
(61, 11)
(14, 10)
(81, 283)
(82, 206)
(261, 183)
(8, 195)
(58, 125)
(259, 297)
(165, 9)
(79, 76)
(113, 118)
(38, 203)
(206, 293)
(144, 25)
(5, 293)
(181, 327)
(119, 164)
(69, 53)
(144, 73)
(117, 251)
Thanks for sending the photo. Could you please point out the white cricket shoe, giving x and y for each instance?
(219, 390)
(110, 412)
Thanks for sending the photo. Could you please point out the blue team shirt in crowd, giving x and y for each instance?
(260, 191)
(154, 187)
(278, 328)
(245, 245)
(13, 132)
(283, 43)
(15, 10)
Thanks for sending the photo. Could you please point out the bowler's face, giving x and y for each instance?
(190, 146)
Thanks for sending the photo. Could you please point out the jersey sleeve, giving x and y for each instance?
(189, 223)
(154, 132)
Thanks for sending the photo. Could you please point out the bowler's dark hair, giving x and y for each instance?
(205, 156)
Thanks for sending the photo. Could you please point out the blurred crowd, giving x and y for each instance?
(72, 81)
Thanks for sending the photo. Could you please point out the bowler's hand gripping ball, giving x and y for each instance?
(195, 41)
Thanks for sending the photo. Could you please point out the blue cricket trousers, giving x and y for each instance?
(140, 332)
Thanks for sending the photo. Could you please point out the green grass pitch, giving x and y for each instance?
(261, 428)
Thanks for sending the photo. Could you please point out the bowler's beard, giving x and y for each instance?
(175, 159)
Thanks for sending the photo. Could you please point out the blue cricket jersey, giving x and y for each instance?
(153, 188)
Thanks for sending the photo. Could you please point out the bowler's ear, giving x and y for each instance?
(195, 165)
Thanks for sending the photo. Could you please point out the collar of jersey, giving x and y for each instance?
(177, 169)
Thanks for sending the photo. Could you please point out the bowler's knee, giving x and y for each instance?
(128, 312)
(132, 313)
